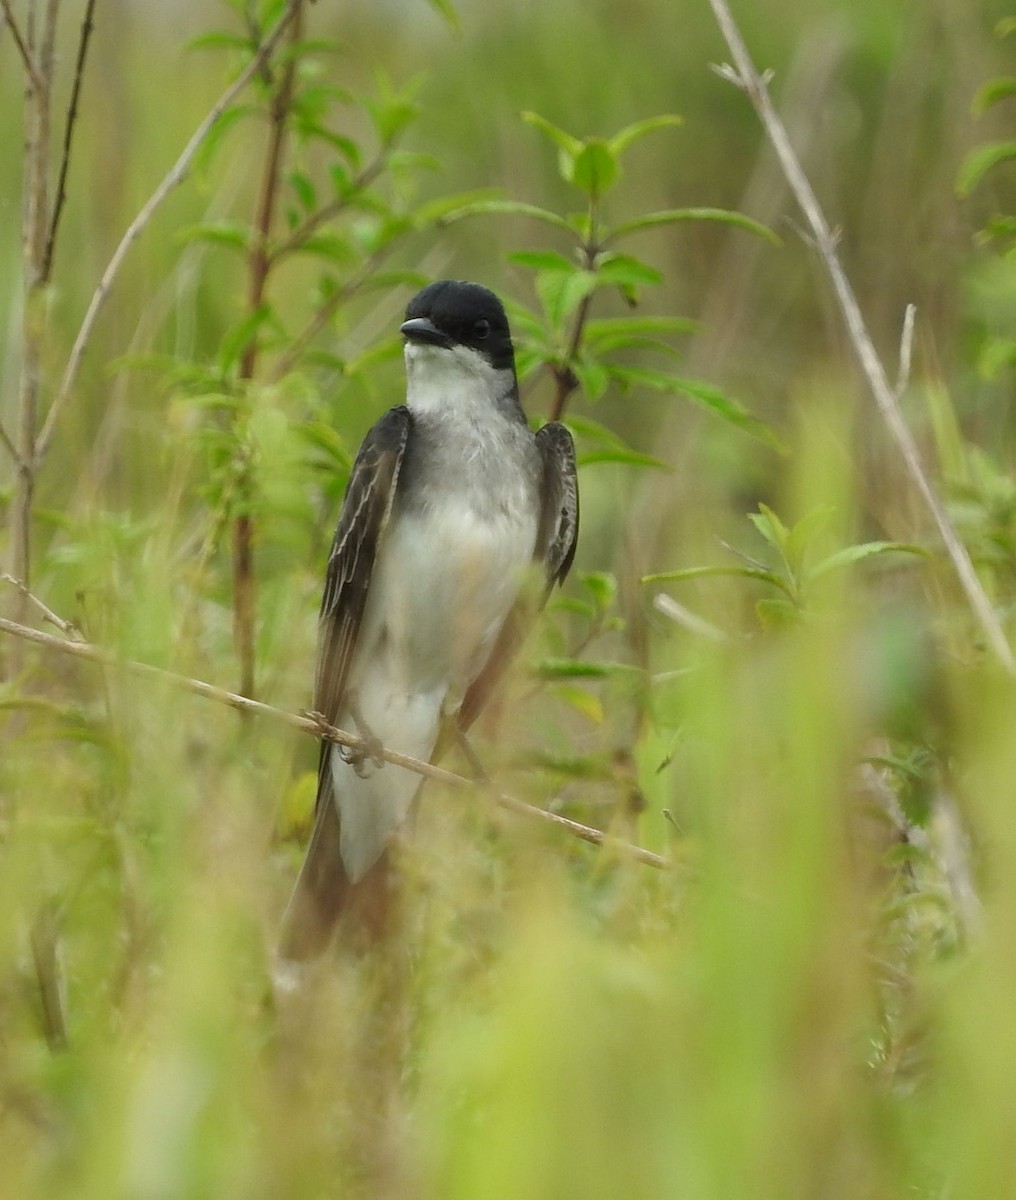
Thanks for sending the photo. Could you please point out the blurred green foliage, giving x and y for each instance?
(816, 998)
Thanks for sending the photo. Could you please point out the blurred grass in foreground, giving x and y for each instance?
(793, 1010)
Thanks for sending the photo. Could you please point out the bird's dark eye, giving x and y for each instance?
(481, 329)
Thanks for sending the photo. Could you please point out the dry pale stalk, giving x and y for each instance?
(746, 76)
(316, 726)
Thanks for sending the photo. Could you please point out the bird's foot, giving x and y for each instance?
(372, 747)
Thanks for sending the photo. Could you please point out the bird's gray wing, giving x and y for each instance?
(557, 534)
(366, 509)
(323, 888)
(559, 509)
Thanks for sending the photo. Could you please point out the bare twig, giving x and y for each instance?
(9, 446)
(565, 379)
(44, 937)
(690, 620)
(316, 726)
(67, 627)
(26, 58)
(176, 175)
(325, 311)
(72, 115)
(906, 350)
(41, 45)
(746, 76)
(329, 211)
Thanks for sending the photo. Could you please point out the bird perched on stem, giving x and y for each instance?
(451, 502)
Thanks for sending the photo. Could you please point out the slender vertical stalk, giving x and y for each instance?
(746, 76)
(259, 267)
(37, 48)
(565, 379)
(39, 55)
(35, 214)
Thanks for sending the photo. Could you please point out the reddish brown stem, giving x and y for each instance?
(72, 115)
(259, 265)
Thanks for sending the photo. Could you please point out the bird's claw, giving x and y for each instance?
(372, 747)
(357, 756)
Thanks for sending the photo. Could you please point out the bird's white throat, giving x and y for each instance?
(452, 379)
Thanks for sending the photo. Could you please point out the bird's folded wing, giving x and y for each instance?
(556, 536)
(559, 509)
(366, 509)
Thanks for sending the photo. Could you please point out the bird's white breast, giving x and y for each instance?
(452, 574)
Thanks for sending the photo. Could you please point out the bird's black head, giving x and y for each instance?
(450, 313)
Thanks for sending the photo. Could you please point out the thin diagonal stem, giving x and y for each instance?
(748, 77)
(316, 726)
(175, 176)
(26, 58)
(72, 115)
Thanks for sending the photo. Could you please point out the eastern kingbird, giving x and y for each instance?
(452, 497)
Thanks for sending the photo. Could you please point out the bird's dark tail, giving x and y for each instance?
(324, 898)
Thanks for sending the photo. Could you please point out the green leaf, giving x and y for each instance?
(541, 260)
(853, 554)
(586, 427)
(241, 335)
(219, 39)
(770, 527)
(314, 130)
(1000, 227)
(609, 448)
(331, 246)
(410, 162)
(991, 93)
(627, 271)
(570, 668)
(220, 233)
(673, 216)
(312, 103)
(446, 10)
(705, 394)
(611, 328)
(440, 210)
(802, 535)
(303, 185)
(623, 456)
(391, 111)
(507, 208)
(624, 138)
(568, 604)
(561, 292)
(775, 613)
(594, 169)
(574, 668)
(568, 145)
(322, 437)
(760, 574)
(603, 587)
(593, 377)
(227, 120)
(980, 161)
(584, 701)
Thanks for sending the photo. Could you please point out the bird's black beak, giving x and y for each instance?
(422, 329)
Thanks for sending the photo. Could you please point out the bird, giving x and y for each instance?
(452, 502)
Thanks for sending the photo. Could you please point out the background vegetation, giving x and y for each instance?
(816, 997)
